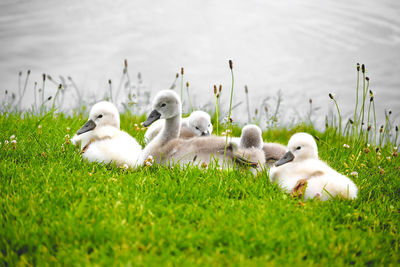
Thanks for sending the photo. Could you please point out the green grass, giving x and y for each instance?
(57, 209)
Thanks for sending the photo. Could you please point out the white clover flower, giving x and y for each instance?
(368, 145)
(346, 146)
(12, 137)
(6, 142)
(355, 174)
(148, 163)
(13, 142)
(67, 136)
(125, 166)
(40, 126)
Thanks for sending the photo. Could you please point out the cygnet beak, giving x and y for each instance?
(206, 133)
(89, 125)
(285, 159)
(154, 115)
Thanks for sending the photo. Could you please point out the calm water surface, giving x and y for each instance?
(305, 48)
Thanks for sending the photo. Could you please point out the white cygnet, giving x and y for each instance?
(101, 139)
(300, 167)
(197, 124)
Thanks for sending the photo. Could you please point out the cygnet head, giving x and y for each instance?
(166, 105)
(200, 123)
(102, 114)
(301, 146)
(251, 137)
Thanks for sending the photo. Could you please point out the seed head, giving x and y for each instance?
(215, 89)
(109, 81)
(371, 99)
(49, 98)
(397, 128)
(381, 129)
(60, 86)
(230, 64)
(310, 101)
(49, 77)
(363, 68)
(177, 75)
(390, 112)
(29, 72)
(220, 88)
(331, 96)
(217, 95)
(187, 84)
(20, 73)
(369, 128)
(358, 66)
(126, 63)
(351, 121)
(44, 76)
(367, 79)
(182, 71)
(246, 90)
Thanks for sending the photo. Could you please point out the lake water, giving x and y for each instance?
(304, 48)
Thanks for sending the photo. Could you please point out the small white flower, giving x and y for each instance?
(6, 142)
(148, 163)
(40, 126)
(379, 153)
(355, 174)
(135, 125)
(12, 137)
(125, 166)
(223, 133)
(368, 145)
(68, 129)
(67, 136)
(346, 146)
(13, 142)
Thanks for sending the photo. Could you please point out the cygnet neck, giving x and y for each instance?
(171, 129)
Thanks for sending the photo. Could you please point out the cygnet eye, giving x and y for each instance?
(163, 105)
(197, 128)
(100, 116)
(298, 148)
(209, 125)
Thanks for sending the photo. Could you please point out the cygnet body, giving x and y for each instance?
(101, 139)
(251, 137)
(300, 164)
(197, 124)
(166, 147)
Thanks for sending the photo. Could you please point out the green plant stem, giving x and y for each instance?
(190, 101)
(217, 113)
(355, 110)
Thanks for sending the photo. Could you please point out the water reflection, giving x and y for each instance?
(306, 49)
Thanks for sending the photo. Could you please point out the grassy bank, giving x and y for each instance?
(58, 209)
